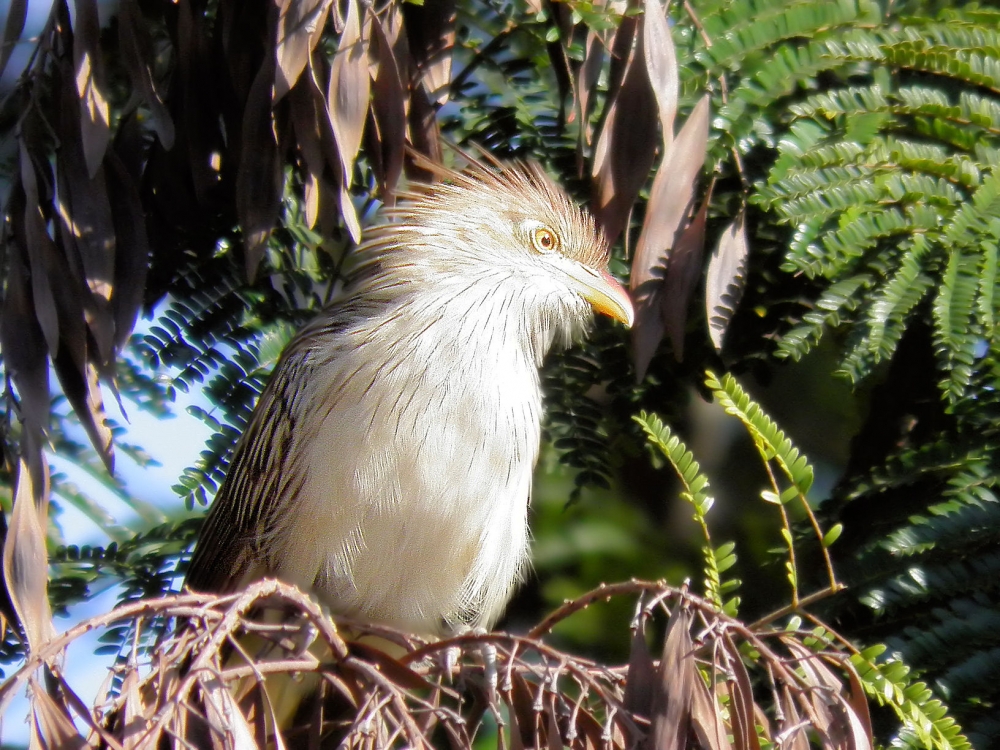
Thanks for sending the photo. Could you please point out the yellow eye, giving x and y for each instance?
(544, 240)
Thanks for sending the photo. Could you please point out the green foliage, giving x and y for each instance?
(924, 718)
(695, 491)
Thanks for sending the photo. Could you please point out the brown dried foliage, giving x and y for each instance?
(226, 677)
(119, 191)
(106, 212)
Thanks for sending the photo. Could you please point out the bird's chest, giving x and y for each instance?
(419, 482)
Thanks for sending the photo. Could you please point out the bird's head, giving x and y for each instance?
(502, 232)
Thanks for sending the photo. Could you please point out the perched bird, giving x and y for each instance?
(387, 467)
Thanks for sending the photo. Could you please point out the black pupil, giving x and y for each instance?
(546, 239)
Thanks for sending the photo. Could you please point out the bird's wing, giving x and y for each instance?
(258, 484)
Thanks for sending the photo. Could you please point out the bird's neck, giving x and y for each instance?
(485, 309)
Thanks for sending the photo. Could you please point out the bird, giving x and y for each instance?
(387, 466)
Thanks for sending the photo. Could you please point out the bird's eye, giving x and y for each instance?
(544, 240)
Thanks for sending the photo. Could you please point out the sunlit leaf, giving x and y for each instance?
(726, 279)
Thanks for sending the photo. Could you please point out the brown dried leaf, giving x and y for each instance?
(348, 93)
(389, 112)
(134, 45)
(593, 732)
(259, 180)
(669, 205)
(791, 730)
(856, 698)
(52, 721)
(835, 719)
(671, 196)
(88, 64)
(310, 139)
(726, 279)
(673, 692)
(859, 736)
(621, 54)
(641, 676)
(392, 24)
(562, 18)
(133, 249)
(26, 561)
(300, 24)
(23, 344)
(86, 223)
(80, 384)
(683, 273)
(17, 11)
(431, 32)
(522, 713)
(625, 148)
(224, 716)
(75, 703)
(553, 736)
(661, 65)
(705, 719)
(425, 134)
(816, 672)
(134, 712)
(347, 104)
(743, 723)
(395, 670)
(586, 80)
(39, 247)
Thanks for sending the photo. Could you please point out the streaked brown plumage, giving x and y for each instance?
(387, 466)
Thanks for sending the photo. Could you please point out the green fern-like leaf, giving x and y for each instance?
(696, 489)
(926, 723)
(770, 440)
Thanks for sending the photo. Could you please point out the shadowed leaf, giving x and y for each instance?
(661, 66)
(683, 272)
(86, 225)
(552, 735)
(259, 182)
(670, 202)
(134, 45)
(641, 676)
(300, 26)
(625, 147)
(705, 719)
(389, 112)
(431, 31)
(80, 384)
(309, 137)
(132, 250)
(856, 697)
(522, 714)
(39, 246)
(88, 64)
(791, 730)
(425, 133)
(672, 694)
(726, 279)
(17, 10)
(23, 344)
(742, 706)
(586, 80)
